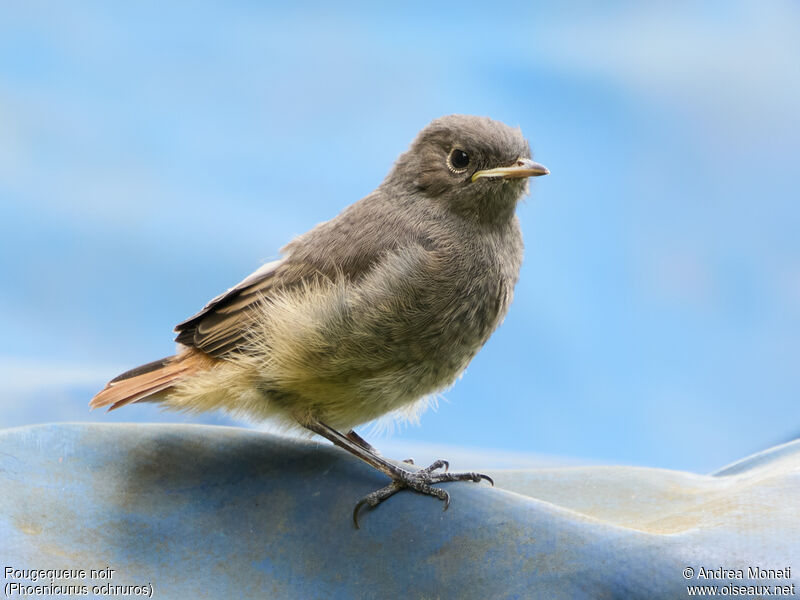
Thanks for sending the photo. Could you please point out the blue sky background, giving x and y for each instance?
(153, 154)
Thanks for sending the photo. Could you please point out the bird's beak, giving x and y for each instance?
(523, 167)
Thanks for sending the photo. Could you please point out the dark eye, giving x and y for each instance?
(458, 160)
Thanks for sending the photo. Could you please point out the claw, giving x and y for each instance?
(361, 503)
(378, 496)
(438, 464)
(486, 477)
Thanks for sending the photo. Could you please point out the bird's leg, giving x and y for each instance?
(420, 481)
(354, 437)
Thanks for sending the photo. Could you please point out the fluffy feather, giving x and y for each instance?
(369, 313)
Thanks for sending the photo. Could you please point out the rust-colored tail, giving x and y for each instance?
(144, 382)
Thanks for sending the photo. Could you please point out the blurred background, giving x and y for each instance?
(153, 154)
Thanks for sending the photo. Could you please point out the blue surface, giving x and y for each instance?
(155, 153)
(214, 512)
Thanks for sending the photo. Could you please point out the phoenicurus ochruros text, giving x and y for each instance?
(369, 313)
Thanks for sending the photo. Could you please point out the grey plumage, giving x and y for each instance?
(375, 309)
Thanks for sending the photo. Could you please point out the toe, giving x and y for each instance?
(438, 464)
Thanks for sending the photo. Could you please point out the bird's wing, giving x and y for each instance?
(220, 326)
(349, 245)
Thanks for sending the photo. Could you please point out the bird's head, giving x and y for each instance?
(474, 165)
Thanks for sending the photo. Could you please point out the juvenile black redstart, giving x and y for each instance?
(368, 313)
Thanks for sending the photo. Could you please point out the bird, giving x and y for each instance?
(369, 313)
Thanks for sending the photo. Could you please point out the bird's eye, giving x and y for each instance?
(457, 161)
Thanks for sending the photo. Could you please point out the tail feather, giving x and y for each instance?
(151, 366)
(144, 382)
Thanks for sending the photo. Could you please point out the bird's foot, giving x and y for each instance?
(420, 481)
